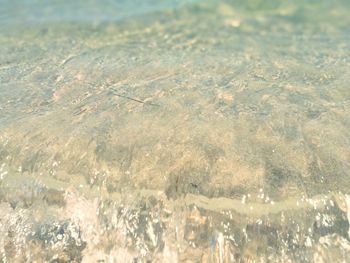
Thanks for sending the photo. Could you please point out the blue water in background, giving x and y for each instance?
(38, 11)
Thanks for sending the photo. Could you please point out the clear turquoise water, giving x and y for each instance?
(224, 122)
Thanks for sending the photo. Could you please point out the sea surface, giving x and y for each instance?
(174, 131)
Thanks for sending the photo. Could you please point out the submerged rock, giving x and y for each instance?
(202, 132)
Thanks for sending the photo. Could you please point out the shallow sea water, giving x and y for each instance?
(174, 131)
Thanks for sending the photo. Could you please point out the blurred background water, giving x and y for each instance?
(333, 13)
(174, 131)
(81, 11)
